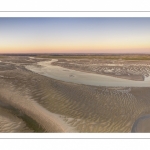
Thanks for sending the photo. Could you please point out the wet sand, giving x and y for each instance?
(10, 123)
(126, 69)
(49, 121)
(142, 125)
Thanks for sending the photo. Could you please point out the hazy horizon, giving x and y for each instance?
(80, 53)
(75, 35)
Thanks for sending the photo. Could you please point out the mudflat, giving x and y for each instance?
(33, 102)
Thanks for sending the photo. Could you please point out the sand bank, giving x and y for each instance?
(49, 121)
(10, 123)
(47, 69)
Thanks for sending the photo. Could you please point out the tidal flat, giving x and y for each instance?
(68, 94)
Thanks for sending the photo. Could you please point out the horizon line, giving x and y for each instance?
(74, 53)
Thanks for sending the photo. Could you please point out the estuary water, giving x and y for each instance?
(68, 75)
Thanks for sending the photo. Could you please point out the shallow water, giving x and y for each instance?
(142, 124)
(56, 72)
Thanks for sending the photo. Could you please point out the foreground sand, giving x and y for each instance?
(21, 101)
(58, 106)
(11, 123)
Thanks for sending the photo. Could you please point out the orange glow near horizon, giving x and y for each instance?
(88, 47)
(75, 35)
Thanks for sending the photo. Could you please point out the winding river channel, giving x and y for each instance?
(59, 73)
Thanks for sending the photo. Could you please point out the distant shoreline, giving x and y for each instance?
(72, 54)
(113, 56)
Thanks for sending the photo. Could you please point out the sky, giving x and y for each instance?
(75, 35)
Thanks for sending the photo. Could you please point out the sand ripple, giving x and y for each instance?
(79, 108)
(11, 123)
